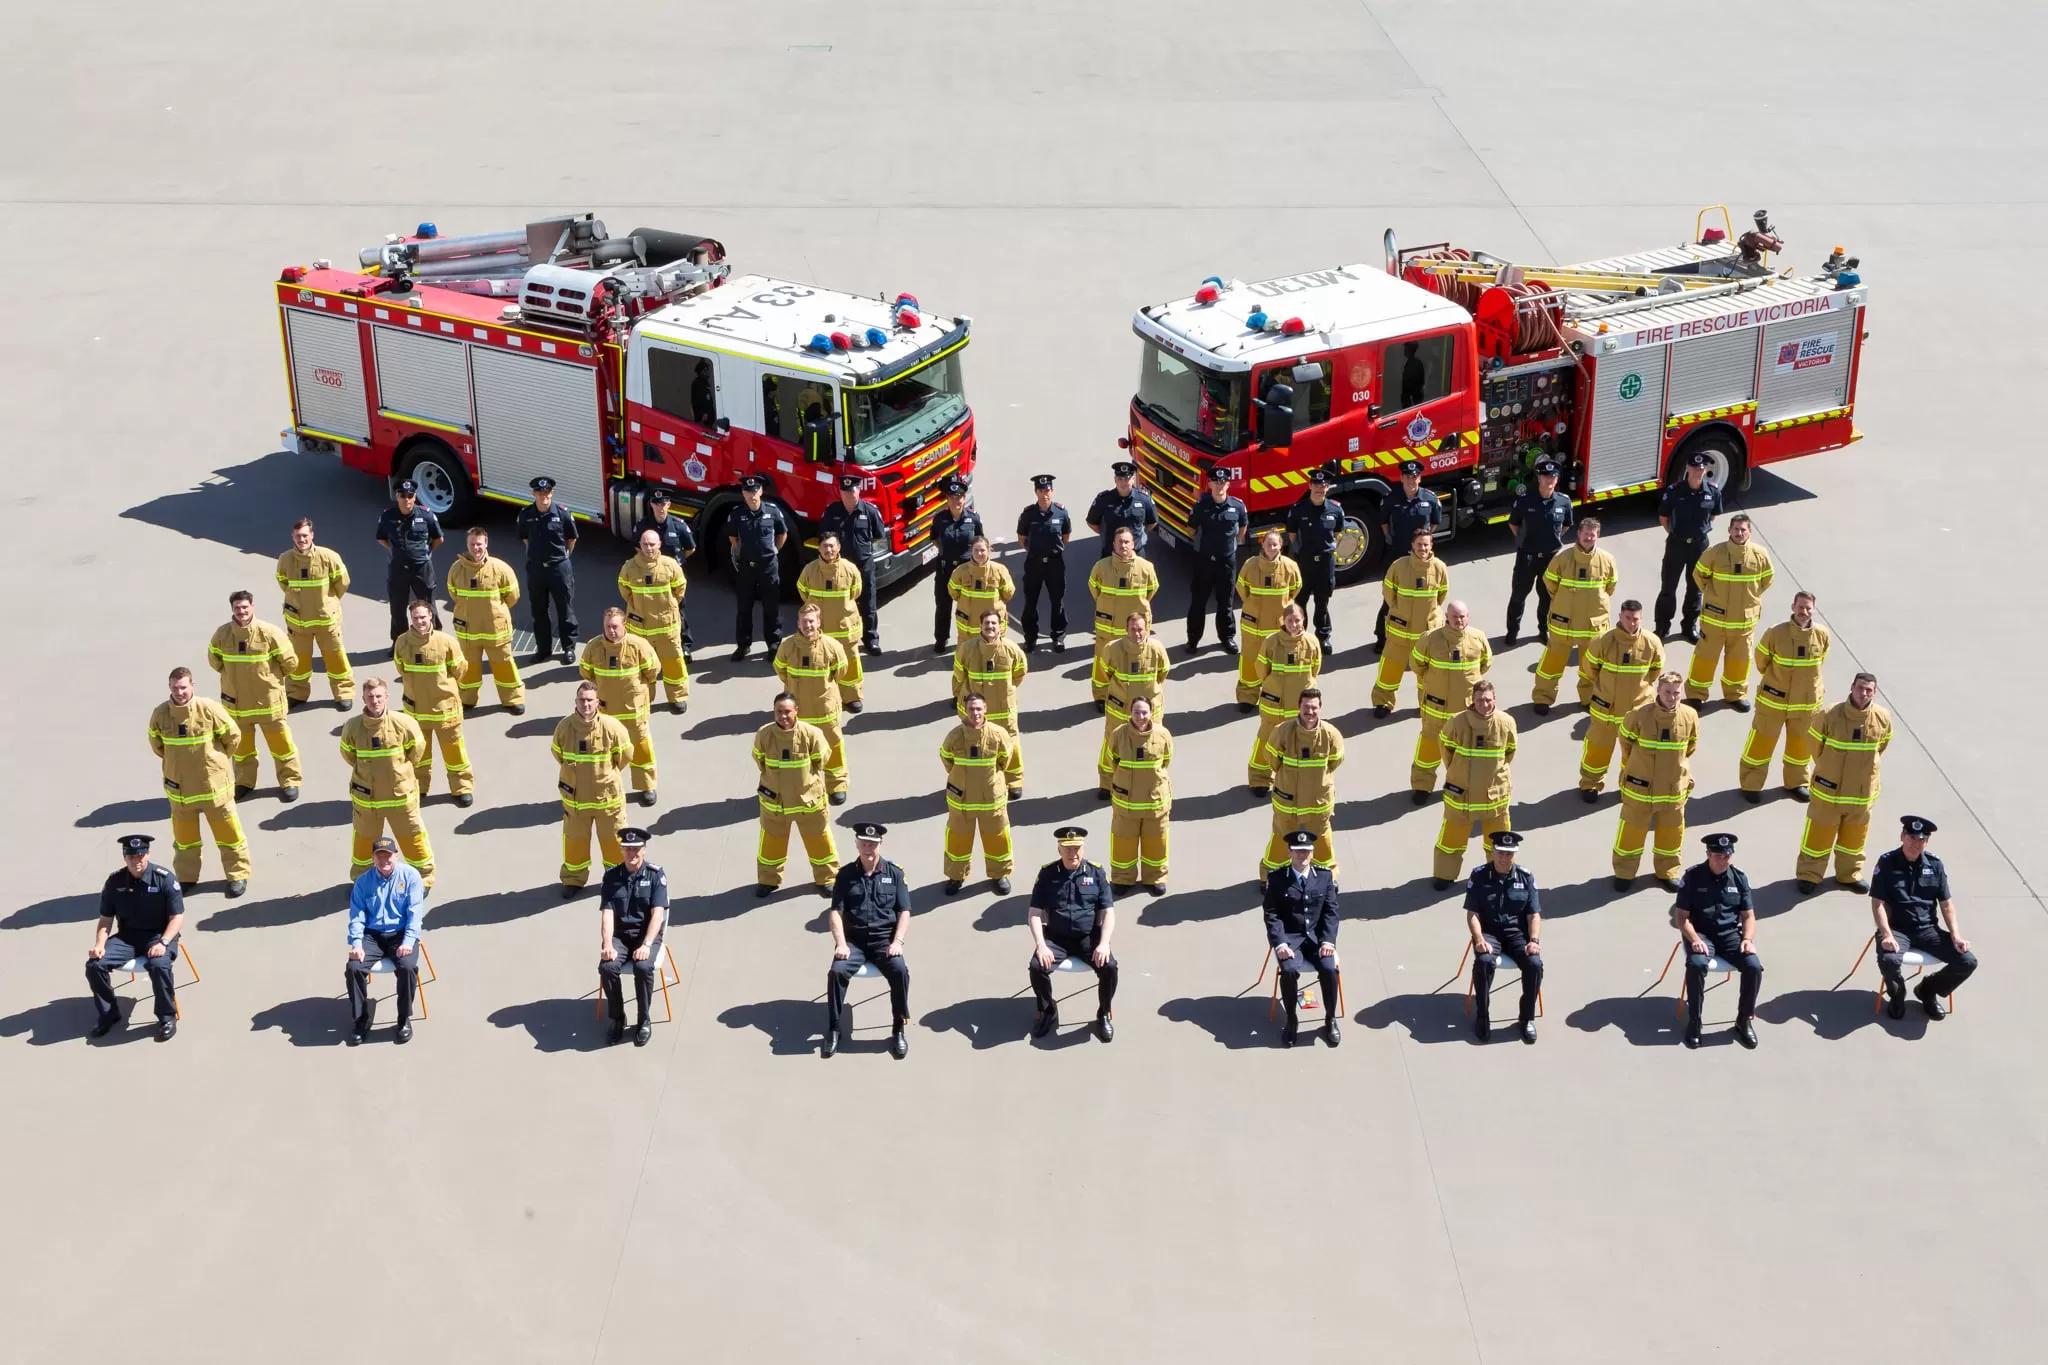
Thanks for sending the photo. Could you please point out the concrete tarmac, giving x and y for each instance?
(505, 1189)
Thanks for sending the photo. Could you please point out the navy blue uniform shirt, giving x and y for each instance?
(757, 530)
(1216, 526)
(631, 897)
(1502, 902)
(548, 535)
(1314, 528)
(411, 535)
(870, 902)
(1714, 904)
(1072, 902)
(1403, 516)
(1540, 524)
(859, 531)
(1690, 510)
(1912, 892)
(676, 539)
(1044, 531)
(1112, 509)
(955, 535)
(141, 907)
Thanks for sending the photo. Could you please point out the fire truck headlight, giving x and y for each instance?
(1469, 492)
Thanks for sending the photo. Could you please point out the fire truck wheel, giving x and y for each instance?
(1728, 464)
(443, 483)
(1360, 545)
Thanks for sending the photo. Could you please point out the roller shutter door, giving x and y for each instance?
(1806, 364)
(1714, 371)
(538, 417)
(327, 374)
(1628, 419)
(422, 376)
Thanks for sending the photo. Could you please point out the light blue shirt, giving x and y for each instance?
(387, 904)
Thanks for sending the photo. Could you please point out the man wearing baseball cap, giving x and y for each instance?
(385, 908)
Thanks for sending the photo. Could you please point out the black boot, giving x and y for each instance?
(1048, 1019)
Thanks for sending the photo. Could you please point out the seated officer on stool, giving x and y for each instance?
(1301, 926)
(1071, 915)
(632, 912)
(1908, 889)
(1717, 918)
(869, 919)
(141, 911)
(1505, 917)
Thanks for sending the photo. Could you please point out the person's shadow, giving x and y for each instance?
(557, 1025)
(985, 1023)
(64, 1021)
(1236, 1021)
(1644, 1020)
(794, 1027)
(314, 1021)
(1430, 1017)
(1836, 1013)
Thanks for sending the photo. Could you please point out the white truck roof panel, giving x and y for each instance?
(774, 320)
(1344, 306)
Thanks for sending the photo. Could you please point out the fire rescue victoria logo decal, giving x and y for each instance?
(694, 470)
(1420, 430)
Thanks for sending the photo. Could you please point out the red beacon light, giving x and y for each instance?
(291, 274)
(1211, 290)
(841, 342)
(907, 317)
(1293, 327)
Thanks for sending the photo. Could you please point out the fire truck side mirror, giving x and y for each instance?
(723, 424)
(1276, 421)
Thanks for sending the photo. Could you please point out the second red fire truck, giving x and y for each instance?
(612, 365)
(1478, 367)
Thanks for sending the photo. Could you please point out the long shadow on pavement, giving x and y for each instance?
(124, 813)
(310, 815)
(726, 727)
(1560, 808)
(1231, 801)
(314, 1021)
(1236, 1021)
(1436, 1017)
(794, 1027)
(526, 815)
(1193, 907)
(1395, 900)
(897, 810)
(1179, 723)
(733, 810)
(1003, 915)
(985, 1023)
(275, 914)
(556, 1025)
(909, 718)
(1380, 810)
(498, 907)
(1837, 1013)
(1063, 718)
(716, 907)
(58, 910)
(61, 1021)
(1046, 810)
(1644, 1020)
(1576, 898)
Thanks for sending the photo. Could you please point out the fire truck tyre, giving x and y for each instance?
(1360, 546)
(443, 482)
(1729, 465)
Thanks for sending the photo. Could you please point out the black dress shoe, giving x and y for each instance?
(1589, 795)
(1229, 646)
(824, 890)
(1895, 998)
(404, 1034)
(1379, 646)
(642, 1033)
(1191, 648)
(1930, 1002)
(348, 705)
(238, 889)
(1668, 884)
(517, 708)
(187, 888)
(1528, 1030)
(938, 646)
(1332, 1033)
(1802, 793)
(1508, 640)
(1059, 644)
(647, 798)
(569, 892)
(1542, 637)
(1289, 1031)
(109, 1022)
(1622, 883)
(288, 795)
(1807, 888)
(1105, 1028)
(616, 1034)
(762, 891)
(1692, 1037)
(1155, 888)
(1046, 1022)
(1745, 1034)
(1541, 708)
(1002, 886)
(1261, 793)
(1740, 704)
(166, 1029)
(837, 798)
(465, 799)
(1754, 798)
(739, 652)
(358, 1036)
(1482, 1027)
(243, 793)
(953, 885)
(538, 657)
(831, 1043)
(567, 656)
(1382, 712)
(1416, 798)
(899, 1043)
(1859, 886)
(856, 707)
(1440, 883)
(1691, 635)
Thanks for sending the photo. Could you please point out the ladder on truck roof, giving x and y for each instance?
(1571, 279)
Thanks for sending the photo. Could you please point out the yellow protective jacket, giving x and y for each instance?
(1265, 587)
(1581, 585)
(1624, 671)
(995, 670)
(482, 597)
(624, 674)
(980, 766)
(1477, 753)
(1287, 666)
(652, 590)
(975, 588)
(197, 742)
(253, 662)
(1139, 776)
(1733, 580)
(313, 585)
(836, 588)
(431, 667)
(593, 754)
(1415, 590)
(1304, 765)
(811, 671)
(1120, 587)
(1788, 662)
(791, 765)
(1846, 746)
(1656, 752)
(1135, 671)
(1447, 661)
(380, 754)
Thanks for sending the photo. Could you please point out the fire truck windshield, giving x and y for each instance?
(885, 422)
(1197, 405)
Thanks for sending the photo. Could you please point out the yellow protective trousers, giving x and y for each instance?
(1833, 827)
(284, 755)
(218, 808)
(579, 818)
(1732, 649)
(504, 671)
(1550, 668)
(454, 756)
(668, 647)
(774, 848)
(326, 640)
(1394, 661)
(403, 817)
(1138, 841)
(1285, 822)
(641, 731)
(1763, 739)
(1598, 755)
(961, 826)
(1661, 819)
(1452, 839)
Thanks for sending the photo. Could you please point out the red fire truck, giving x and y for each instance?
(472, 364)
(1478, 367)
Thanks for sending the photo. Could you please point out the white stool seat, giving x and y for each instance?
(867, 969)
(1073, 964)
(1720, 964)
(1914, 957)
(388, 964)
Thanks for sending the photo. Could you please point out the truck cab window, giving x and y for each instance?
(1311, 399)
(1416, 371)
(682, 385)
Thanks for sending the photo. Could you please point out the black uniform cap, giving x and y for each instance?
(868, 829)
(1123, 469)
(1698, 459)
(1547, 469)
(850, 481)
(633, 838)
(1919, 826)
(384, 843)
(407, 487)
(1411, 466)
(955, 485)
(751, 482)
(541, 483)
(1319, 476)
(1508, 840)
(135, 843)
(1222, 471)
(1301, 838)
(1719, 843)
(1070, 834)
(657, 494)
(1041, 480)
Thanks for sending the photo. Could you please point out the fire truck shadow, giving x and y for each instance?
(1767, 488)
(250, 507)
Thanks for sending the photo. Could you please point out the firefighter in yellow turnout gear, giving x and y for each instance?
(810, 664)
(1140, 782)
(981, 766)
(1137, 667)
(1288, 664)
(995, 667)
(652, 586)
(976, 586)
(430, 670)
(1267, 585)
(255, 660)
(314, 580)
(1624, 665)
(593, 750)
(625, 670)
(1415, 590)
(1479, 745)
(1447, 662)
(1733, 578)
(196, 739)
(835, 587)
(1121, 582)
(1303, 755)
(382, 750)
(481, 594)
(789, 759)
(1849, 739)
(1789, 692)
(1657, 742)
(1581, 578)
